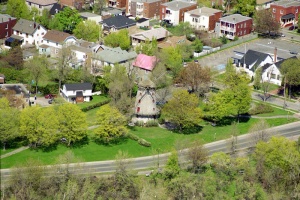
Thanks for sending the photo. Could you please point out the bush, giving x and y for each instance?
(260, 109)
(133, 136)
(235, 38)
(144, 143)
(96, 105)
(139, 123)
(151, 123)
(49, 89)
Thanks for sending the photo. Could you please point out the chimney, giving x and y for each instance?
(275, 55)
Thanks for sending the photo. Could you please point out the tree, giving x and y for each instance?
(171, 57)
(45, 18)
(245, 7)
(172, 168)
(232, 141)
(88, 30)
(198, 154)
(182, 110)
(37, 68)
(195, 77)
(118, 39)
(15, 57)
(98, 6)
(112, 124)
(120, 84)
(18, 9)
(39, 126)
(9, 122)
(257, 79)
(198, 45)
(72, 123)
(187, 51)
(63, 68)
(66, 20)
(159, 76)
(148, 47)
(265, 22)
(259, 132)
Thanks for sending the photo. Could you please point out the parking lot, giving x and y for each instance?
(263, 45)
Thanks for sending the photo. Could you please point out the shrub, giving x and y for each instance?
(133, 136)
(49, 89)
(144, 143)
(96, 105)
(139, 123)
(151, 123)
(260, 109)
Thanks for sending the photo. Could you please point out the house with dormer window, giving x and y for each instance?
(77, 92)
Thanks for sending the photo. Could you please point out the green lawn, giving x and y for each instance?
(96, 99)
(160, 138)
(91, 116)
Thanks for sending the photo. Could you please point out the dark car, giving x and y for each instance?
(293, 52)
(50, 101)
(293, 28)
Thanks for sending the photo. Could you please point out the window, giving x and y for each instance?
(42, 41)
(56, 51)
(40, 6)
(296, 10)
(37, 35)
(273, 76)
(241, 25)
(278, 77)
(6, 26)
(56, 44)
(244, 32)
(6, 34)
(274, 10)
(245, 24)
(43, 33)
(26, 35)
(281, 11)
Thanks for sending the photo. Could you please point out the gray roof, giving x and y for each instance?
(114, 55)
(147, 1)
(235, 18)
(88, 15)
(157, 33)
(111, 11)
(26, 26)
(277, 64)
(78, 86)
(177, 5)
(204, 11)
(42, 2)
(287, 3)
(252, 56)
(119, 22)
(81, 49)
(5, 17)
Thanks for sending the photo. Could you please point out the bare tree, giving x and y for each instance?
(64, 64)
(198, 155)
(259, 132)
(232, 142)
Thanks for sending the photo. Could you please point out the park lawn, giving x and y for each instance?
(161, 139)
(91, 116)
(96, 99)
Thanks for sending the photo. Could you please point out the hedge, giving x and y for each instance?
(261, 108)
(144, 143)
(96, 105)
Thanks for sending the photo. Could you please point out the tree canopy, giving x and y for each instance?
(265, 22)
(182, 110)
(18, 9)
(171, 57)
(118, 39)
(88, 30)
(148, 47)
(245, 7)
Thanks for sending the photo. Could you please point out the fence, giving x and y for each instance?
(241, 40)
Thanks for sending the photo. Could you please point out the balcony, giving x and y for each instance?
(226, 28)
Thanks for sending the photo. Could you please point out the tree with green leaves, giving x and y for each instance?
(198, 155)
(63, 68)
(9, 122)
(245, 7)
(18, 9)
(72, 123)
(148, 47)
(159, 76)
(198, 45)
(182, 110)
(171, 57)
(88, 30)
(265, 22)
(65, 20)
(45, 18)
(37, 68)
(112, 124)
(118, 39)
(172, 168)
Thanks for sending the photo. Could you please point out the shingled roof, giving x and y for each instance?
(118, 22)
(42, 2)
(26, 26)
(78, 86)
(157, 33)
(56, 36)
(177, 5)
(277, 64)
(252, 56)
(114, 55)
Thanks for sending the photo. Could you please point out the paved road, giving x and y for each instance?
(244, 141)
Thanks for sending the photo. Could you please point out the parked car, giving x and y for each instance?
(50, 96)
(293, 28)
(50, 101)
(293, 52)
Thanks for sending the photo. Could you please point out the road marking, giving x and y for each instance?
(272, 47)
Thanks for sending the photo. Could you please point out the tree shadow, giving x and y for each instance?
(191, 130)
(229, 120)
(78, 144)
(49, 148)
(113, 142)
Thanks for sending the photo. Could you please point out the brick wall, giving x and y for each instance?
(6, 28)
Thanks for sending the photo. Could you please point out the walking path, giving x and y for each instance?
(14, 152)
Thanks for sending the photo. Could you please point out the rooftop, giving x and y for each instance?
(287, 3)
(88, 15)
(42, 2)
(235, 18)
(56, 36)
(5, 18)
(78, 86)
(157, 33)
(173, 41)
(145, 62)
(118, 22)
(114, 55)
(205, 11)
(177, 5)
(26, 26)
(146, 1)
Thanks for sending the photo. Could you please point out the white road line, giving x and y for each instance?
(273, 47)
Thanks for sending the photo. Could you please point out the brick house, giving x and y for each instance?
(203, 18)
(144, 8)
(234, 25)
(286, 12)
(173, 12)
(117, 3)
(6, 24)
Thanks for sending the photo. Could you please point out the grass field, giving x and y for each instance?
(161, 139)
(96, 99)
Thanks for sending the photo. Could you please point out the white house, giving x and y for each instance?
(32, 32)
(203, 18)
(77, 92)
(40, 4)
(53, 42)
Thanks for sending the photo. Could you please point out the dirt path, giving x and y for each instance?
(14, 152)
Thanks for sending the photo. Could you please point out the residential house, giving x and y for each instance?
(6, 24)
(143, 22)
(56, 8)
(144, 8)
(173, 12)
(31, 32)
(116, 23)
(158, 34)
(53, 41)
(40, 5)
(108, 56)
(203, 18)
(91, 16)
(263, 4)
(235, 25)
(173, 41)
(255, 59)
(117, 3)
(286, 12)
(145, 103)
(271, 72)
(144, 64)
(78, 4)
(111, 12)
(77, 92)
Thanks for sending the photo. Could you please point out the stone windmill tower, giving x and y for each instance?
(145, 104)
